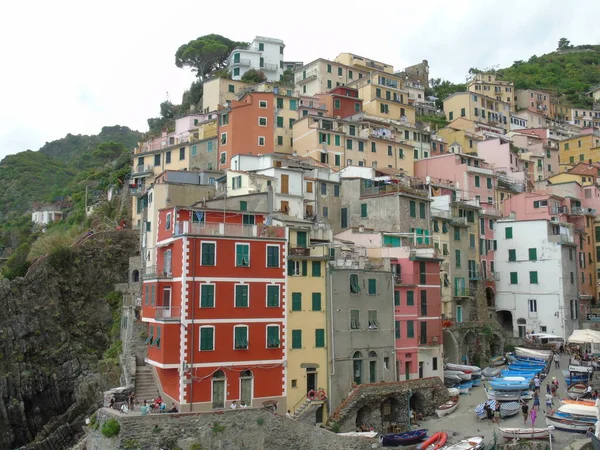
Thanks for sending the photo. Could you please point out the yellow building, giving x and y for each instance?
(307, 317)
(582, 148)
(489, 85)
(363, 63)
(384, 96)
(218, 91)
(466, 137)
(478, 108)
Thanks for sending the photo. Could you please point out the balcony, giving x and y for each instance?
(429, 341)
(489, 211)
(167, 313)
(299, 251)
(243, 62)
(228, 229)
(137, 191)
(474, 275)
(480, 170)
(142, 170)
(310, 75)
(463, 292)
(458, 221)
(268, 67)
(578, 211)
(399, 187)
(152, 272)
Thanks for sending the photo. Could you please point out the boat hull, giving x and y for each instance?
(447, 408)
(471, 443)
(576, 426)
(436, 441)
(408, 438)
(524, 433)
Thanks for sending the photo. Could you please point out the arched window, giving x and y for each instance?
(246, 374)
(521, 321)
(219, 374)
(372, 354)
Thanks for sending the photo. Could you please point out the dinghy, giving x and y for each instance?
(524, 433)
(465, 376)
(497, 361)
(508, 396)
(462, 368)
(579, 401)
(576, 390)
(502, 384)
(408, 438)
(471, 443)
(436, 441)
(578, 409)
(453, 392)
(490, 372)
(447, 408)
(561, 423)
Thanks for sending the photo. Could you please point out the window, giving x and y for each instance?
(397, 329)
(224, 119)
(296, 301)
(207, 296)
(261, 141)
(182, 153)
(319, 338)
(514, 278)
(168, 158)
(424, 303)
(533, 277)
(273, 295)
(262, 104)
(354, 286)
(241, 295)
(272, 256)
(373, 147)
(457, 258)
(477, 183)
(489, 183)
(363, 210)
(223, 138)
(231, 87)
(336, 103)
(508, 232)
(296, 339)
(410, 298)
(462, 112)
(349, 144)
(410, 329)
(336, 187)
(354, 319)
(157, 160)
(532, 305)
(273, 336)
(372, 318)
(456, 233)
(532, 254)
(338, 162)
(316, 301)
(421, 210)
(372, 286)
(248, 219)
(261, 47)
(396, 298)
(223, 158)
(207, 338)
(301, 239)
(328, 68)
(472, 240)
(242, 255)
(412, 207)
(240, 337)
(279, 122)
(328, 84)
(512, 254)
(293, 104)
(356, 106)
(316, 268)
(279, 103)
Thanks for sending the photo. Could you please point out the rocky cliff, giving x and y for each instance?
(54, 328)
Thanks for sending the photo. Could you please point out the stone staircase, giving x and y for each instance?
(301, 409)
(145, 386)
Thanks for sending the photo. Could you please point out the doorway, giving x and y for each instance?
(407, 370)
(218, 389)
(167, 302)
(372, 371)
(246, 387)
(311, 380)
(421, 369)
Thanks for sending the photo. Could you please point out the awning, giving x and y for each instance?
(585, 337)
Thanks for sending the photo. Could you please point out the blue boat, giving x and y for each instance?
(476, 382)
(465, 386)
(562, 415)
(513, 357)
(408, 438)
(518, 373)
(509, 385)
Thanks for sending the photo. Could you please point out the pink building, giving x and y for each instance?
(496, 152)
(472, 176)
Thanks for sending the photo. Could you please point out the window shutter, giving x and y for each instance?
(316, 301)
(304, 268)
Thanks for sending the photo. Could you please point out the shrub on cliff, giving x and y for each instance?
(111, 428)
(61, 258)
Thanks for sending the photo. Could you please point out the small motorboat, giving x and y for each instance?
(407, 438)
(453, 392)
(543, 355)
(575, 378)
(576, 390)
(579, 401)
(502, 384)
(508, 396)
(470, 443)
(579, 426)
(464, 376)
(490, 372)
(524, 433)
(448, 407)
(463, 368)
(579, 410)
(497, 361)
(436, 441)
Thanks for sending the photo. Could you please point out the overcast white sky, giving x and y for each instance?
(74, 66)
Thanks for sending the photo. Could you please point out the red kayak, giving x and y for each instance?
(435, 442)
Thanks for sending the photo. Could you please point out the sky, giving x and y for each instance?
(75, 66)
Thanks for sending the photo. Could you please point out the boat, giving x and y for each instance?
(451, 380)
(579, 401)
(502, 384)
(470, 443)
(509, 373)
(447, 408)
(578, 409)
(465, 386)
(587, 419)
(453, 392)
(407, 438)
(364, 434)
(508, 409)
(436, 441)
(462, 368)
(544, 355)
(571, 377)
(490, 372)
(476, 382)
(465, 376)
(508, 396)
(576, 390)
(561, 423)
(524, 433)
(497, 361)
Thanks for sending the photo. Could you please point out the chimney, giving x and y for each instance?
(270, 200)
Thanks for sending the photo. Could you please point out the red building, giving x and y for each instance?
(418, 308)
(215, 308)
(342, 102)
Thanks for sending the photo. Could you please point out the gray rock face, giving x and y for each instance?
(54, 327)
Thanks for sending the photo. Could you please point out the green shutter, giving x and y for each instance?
(533, 254)
(301, 239)
(421, 210)
(410, 298)
(242, 255)
(272, 295)
(508, 232)
(444, 227)
(476, 181)
(319, 338)
(241, 337)
(436, 226)
(316, 268)
(456, 233)
(296, 338)
(410, 329)
(207, 338)
(273, 337)
(457, 257)
(150, 337)
(397, 329)
(241, 296)
(291, 267)
(207, 296)
(363, 210)
(243, 205)
(296, 301)
(147, 296)
(354, 285)
(336, 140)
(279, 122)
(372, 286)
(316, 301)
(412, 208)
(533, 277)
(152, 291)
(472, 240)
(514, 278)
(396, 298)
(512, 255)
(208, 254)
(598, 235)
(304, 268)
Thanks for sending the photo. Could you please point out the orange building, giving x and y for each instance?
(342, 102)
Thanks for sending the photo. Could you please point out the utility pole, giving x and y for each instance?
(85, 204)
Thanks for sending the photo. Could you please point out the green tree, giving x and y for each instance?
(107, 151)
(205, 54)
(192, 96)
(564, 44)
(254, 76)
(442, 89)
(288, 77)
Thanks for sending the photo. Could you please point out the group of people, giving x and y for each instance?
(157, 405)
(493, 414)
(234, 405)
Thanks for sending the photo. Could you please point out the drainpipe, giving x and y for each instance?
(192, 325)
(332, 334)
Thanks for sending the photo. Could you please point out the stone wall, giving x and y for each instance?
(248, 429)
(379, 404)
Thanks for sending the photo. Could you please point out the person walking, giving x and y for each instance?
(533, 415)
(556, 360)
(537, 382)
(549, 401)
(525, 411)
(536, 401)
(497, 413)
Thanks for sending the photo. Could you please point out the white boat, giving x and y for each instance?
(464, 389)
(578, 410)
(453, 392)
(579, 426)
(508, 396)
(463, 368)
(365, 434)
(447, 408)
(457, 373)
(531, 353)
(471, 443)
(491, 372)
(524, 433)
(576, 390)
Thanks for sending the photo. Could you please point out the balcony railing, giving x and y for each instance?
(167, 313)
(458, 220)
(480, 170)
(270, 67)
(138, 191)
(463, 292)
(228, 229)
(142, 169)
(153, 272)
(391, 188)
(429, 341)
(577, 210)
(299, 251)
(241, 62)
(474, 275)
